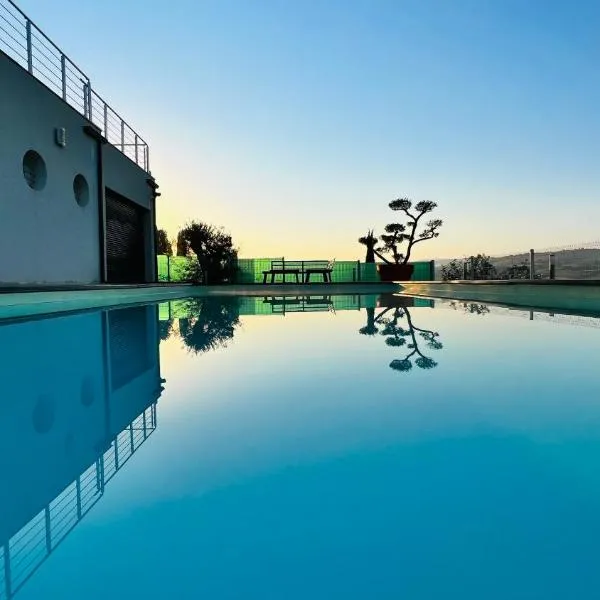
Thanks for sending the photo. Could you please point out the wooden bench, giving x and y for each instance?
(283, 267)
(318, 267)
(298, 268)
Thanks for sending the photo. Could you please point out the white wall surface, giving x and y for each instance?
(45, 236)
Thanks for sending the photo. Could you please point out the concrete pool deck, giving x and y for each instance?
(582, 296)
(27, 301)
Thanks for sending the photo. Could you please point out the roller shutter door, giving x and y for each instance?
(124, 240)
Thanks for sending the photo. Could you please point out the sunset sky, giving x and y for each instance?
(294, 123)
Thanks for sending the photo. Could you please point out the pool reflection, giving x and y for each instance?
(83, 394)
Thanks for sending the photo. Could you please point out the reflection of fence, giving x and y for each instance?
(27, 549)
(250, 270)
(26, 44)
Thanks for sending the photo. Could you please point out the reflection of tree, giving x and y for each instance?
(165, 329)
(210, 324)
(409, 337)
(370, 328)
(472, 308)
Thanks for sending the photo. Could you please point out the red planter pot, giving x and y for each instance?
(395, 272)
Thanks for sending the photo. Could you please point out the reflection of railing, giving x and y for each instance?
(30, 47)
(24, 553)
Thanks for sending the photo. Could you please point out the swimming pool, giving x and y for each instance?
(323, 447)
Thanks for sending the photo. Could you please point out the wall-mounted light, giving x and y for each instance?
(60, 136)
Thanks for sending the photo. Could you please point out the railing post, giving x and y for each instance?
(85, 100)
(169, 273)
(472, 267)
(551, 266)
(465, 271)
(106, 120)
(63, 74)
(48, 530)
(89, 93)
(136, 148)
(7, 574)
(532, 264)
(78, 490)
(122, 136)
(29, 47)
(358, 270)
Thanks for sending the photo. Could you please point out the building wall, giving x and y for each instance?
(131, 182)
(45, 235)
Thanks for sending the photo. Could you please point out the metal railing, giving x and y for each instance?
(23, 41)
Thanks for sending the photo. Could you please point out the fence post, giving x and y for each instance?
(106, 120)
(136, 148)
(551, 266)
(29, 47)
(532, 264)
(122, 136)
(63, 72)
(465, 270)
(168, 268)
(358, 269)
(472, 267)
(432, 270)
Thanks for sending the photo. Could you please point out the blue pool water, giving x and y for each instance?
(355, 447)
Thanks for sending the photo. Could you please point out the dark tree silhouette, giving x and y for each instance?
(165, 329)
(398, 233)
(211, 323)
(215, 254)
(410, 337)
(183, 248)
(478, 267)
(370, 241)
(370, 328)
(517, 271)
(163, 246)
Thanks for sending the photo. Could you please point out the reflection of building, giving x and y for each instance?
(80, 396)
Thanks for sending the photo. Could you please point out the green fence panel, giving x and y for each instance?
(423, 271)
(250, 270)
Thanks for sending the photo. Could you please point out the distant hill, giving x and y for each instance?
(570, 264)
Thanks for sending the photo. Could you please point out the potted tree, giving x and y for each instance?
(396, 234)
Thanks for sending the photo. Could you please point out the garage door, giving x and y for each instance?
(124, 240)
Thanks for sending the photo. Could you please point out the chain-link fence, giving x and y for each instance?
(250, 270)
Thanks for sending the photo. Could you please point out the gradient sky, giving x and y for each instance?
(293, 123)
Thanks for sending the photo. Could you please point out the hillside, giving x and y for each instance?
(570, 264)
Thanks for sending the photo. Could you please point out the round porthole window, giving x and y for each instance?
(34, 170)
(81, 190)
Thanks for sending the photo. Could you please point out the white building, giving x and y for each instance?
(77, 200)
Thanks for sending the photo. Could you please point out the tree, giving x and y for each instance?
(398, 233)
(183, 248)
(163, 246)
(211, 323)
(478, 267)
(453, 271)
(370, 241)
(517, 271)
(215, 254)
